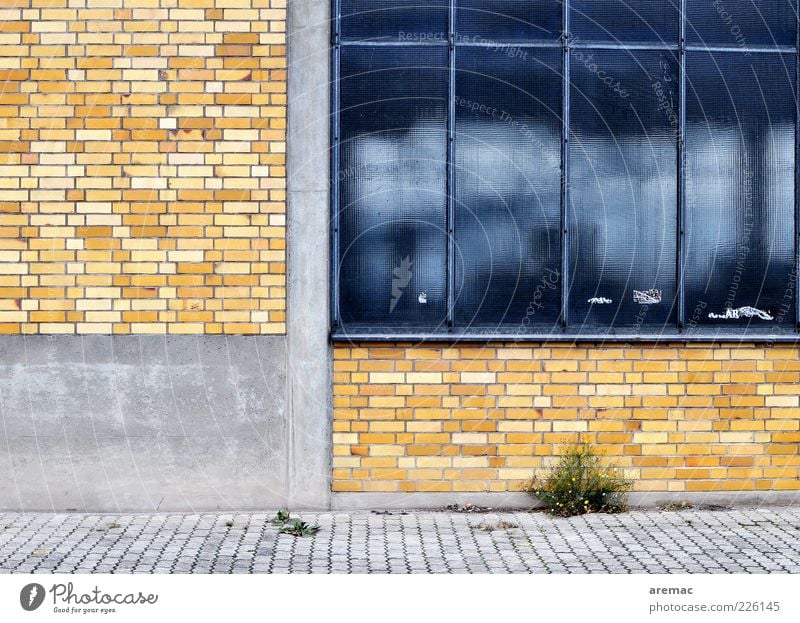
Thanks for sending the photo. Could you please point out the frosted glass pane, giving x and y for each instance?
(508, 20)
(623, 190)
(392, 172)
(740, 137)
(508, 185)
(625, 21)
(741, 23)
(398, 20)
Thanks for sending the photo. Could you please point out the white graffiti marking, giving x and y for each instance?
(647, 297)
(742, 312)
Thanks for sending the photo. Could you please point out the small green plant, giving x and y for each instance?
(295, 527)
(281, 518)
(501, 525)
(579, 484)
(671, 507)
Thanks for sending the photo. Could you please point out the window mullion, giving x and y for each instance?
(565, 43)
(681, 146)
(451, 124)
(797, 178)
(334, 185)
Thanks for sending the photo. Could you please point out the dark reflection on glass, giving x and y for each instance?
(396, 20)
(622, 179)
(508, 185)
(741, 23)
(623, 189)
(393, 183)
(625, 21)
(508, 20)
(740, 137)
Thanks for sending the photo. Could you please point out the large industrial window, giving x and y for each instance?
(535, 168)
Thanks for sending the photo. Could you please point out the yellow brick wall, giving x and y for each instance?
(484, 418)
(142, 166)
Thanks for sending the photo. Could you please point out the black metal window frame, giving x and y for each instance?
(676, 333)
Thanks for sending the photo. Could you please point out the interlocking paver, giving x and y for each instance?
(763, 540)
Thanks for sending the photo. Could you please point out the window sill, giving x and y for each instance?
(587, 335)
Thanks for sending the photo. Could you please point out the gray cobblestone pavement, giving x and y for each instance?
(762, 540)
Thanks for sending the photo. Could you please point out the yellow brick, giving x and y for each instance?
(103, 145)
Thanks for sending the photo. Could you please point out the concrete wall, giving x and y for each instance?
(190, 423)
(142, 423)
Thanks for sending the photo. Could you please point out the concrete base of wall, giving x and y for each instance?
(422, 501)
(135, 423)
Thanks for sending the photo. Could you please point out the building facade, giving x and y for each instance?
(177, 329)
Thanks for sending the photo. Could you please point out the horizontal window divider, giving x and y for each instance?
(445, 43)
(776, 49)
(584, 45)
(606, 45)
(341, 334)
(487, 43)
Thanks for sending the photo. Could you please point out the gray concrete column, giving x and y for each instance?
(309, 350)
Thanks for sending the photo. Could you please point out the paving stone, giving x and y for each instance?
(765, 540)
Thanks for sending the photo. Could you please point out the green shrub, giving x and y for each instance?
(579, 484)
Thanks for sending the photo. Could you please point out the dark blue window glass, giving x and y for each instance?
(625, 21)
(508, 188)
(740, 147)
(395, 20)
(741, 23)
(486, 21)
(623, 189)
(539, 167)
(392, 176)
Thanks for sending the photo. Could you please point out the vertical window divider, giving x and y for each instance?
(681, 146)
(797, 172)
(451, 124)
(334, 183)
(565, 46)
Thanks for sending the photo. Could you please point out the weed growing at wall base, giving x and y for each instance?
(579, 484)
(296, 527)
